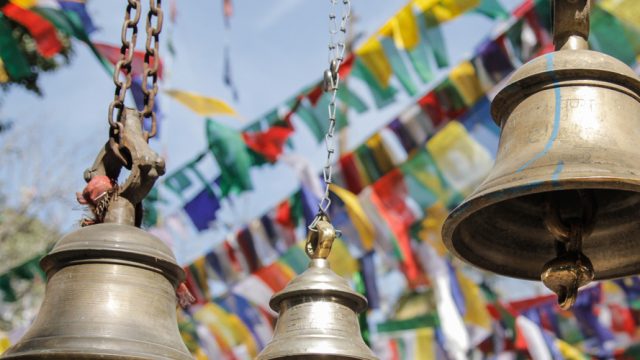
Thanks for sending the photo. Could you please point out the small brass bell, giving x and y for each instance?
(318, 310)
(570, 124)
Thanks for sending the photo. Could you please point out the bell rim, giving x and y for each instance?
(84, 245)
(488, 197)
(314, 281)
(358, 301)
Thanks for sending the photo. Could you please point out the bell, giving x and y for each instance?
(317, 318)
(566, 180)
(110, 295)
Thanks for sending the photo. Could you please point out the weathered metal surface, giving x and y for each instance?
(110, 295)
(318, 318)
(145, 167)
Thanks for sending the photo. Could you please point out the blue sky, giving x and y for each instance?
(277, 48)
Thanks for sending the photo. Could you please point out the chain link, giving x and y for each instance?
(129, 36)
(123, 68)
(337, 47)
(152, 62)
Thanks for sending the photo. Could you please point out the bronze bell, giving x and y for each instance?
(566, 181)
(110, 295)
(111, 290)
(318, 311)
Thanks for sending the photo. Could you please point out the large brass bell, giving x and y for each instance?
(111, 290)
(568, 162)
(110, 295)
(318, 310)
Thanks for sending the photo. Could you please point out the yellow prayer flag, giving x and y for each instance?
(25, 4)
(286, 269)
(626, 10)
(424, 5)
(569, 352)
(448, 10)
(4, 77)
(341, 260)
(379, 152)
(358, 217)
(477, 313)
(462, 160)
(4, 344)
(431, 227)
(372, 55)
(466, 81)
(406, 34)
(425, 338)
(228, 325)
(202, 105)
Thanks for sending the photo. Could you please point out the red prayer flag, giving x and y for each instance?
(112, 53)
(42, 31)
(273, 276)
(283, 215)
(315, 94)
(228, 8)
(350, 173)
(389, 194)
(270, 143)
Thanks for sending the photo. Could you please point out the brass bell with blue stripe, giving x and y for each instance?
(562, 201)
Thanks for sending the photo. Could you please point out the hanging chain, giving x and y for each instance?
(331, 81)
(152, 63)
(129, 36)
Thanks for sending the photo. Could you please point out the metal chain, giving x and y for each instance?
(127, 50)
(152, 62)
(337, 47)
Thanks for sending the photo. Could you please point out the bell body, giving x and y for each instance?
(317, 318)
(110, 295)
(570, 120)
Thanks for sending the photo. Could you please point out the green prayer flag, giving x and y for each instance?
(313, 123)
(365, 156)
(419, 57)
(432, 32)
(321, 112)
(78, 31)
(397, 64)
(15, 62)
(543, 12)
(8, 293)
(492, 9)
(178, 182)
(273, 119)
(150, 208)
(381, 96)
(425, 182)
(296, 259)
(514, 34)
(450, 98)
(297, 208)
(608, 35)
(351, 99)
(422, 321)
(233, 158)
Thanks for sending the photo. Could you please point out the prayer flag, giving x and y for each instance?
(202, 105)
